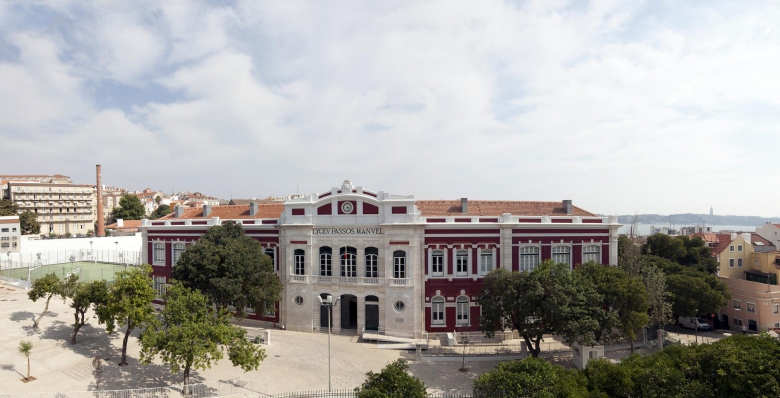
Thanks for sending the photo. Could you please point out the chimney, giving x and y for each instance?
(733, 235)
(252, 208)
(101, 223)
(178, 211)
(567, 206)
(746, 236)
(464, 205)
(120, 223)
(206, 210)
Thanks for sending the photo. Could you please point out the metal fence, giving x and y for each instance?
(220, 388)
(24, 260)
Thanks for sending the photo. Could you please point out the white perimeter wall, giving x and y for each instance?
(30, 247)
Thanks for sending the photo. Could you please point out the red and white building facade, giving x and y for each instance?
(400, 266)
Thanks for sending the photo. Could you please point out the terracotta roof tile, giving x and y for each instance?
(724, 240)
(126, 224)
(754, 238)
(230, 212)
(442, 208)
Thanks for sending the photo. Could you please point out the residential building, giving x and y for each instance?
(400, 266)
(10, 234)
(749, 264)
(62, 208)
(111, 197)
(124, 227)
(770, 232)
(695, 229)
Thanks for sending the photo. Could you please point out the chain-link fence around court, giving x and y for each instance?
(23, 260)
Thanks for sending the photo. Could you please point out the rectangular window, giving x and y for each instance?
(298, 262)
(485, 262)
(591, 253)
(348, 262)
(462, 263)
(178, 249)
(462, 311)
(399, 264)
(776, 308)
(739, 248)
(437, 311)
(158, 254)
(159, 285)
(731, 263)
(529, 258)
(561, 255)
(325, 263)
(437, 263)
(4, 230)
(739, 262)
(737, 304)
(731, 248)
(751, 307)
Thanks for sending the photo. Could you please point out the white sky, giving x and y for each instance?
(655, 107)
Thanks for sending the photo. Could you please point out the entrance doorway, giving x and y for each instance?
(348, 312)
(324, 315)
(372, 313)
(752, 325)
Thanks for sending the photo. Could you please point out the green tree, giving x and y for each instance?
(689, 253)
(530, 378)
(393, 381)
(129, 303)
(46, 287)
(8, 208)
(693, 295)
(83, 295)
(25, 348)
(548, 300)
(190, 335)
(29, 223)
(624, 297)
(162, 211)
(230, 268)
(659, 301)
(130, 208)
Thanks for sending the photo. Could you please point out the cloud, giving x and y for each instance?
(621, 107)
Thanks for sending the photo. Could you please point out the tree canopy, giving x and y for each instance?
(530, 378)
(129, 303)
(84, 295)
(28, 222)
(189, 334)
(130, 208)
(548, 300)
(230, 268)
(692, 253)
(162, 210)
(46, 287)
(8, 208)
(393, 381)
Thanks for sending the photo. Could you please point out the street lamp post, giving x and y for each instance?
(92, 253)
(696, 327)
(464, 340)
(329, 304)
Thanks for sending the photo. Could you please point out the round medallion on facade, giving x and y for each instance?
(399, 306)
(347, 207)
(298, 300)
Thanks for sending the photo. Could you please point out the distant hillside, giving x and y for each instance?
(695, 219)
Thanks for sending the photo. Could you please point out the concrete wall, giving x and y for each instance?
(105, 246)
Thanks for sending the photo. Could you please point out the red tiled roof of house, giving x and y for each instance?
(724, 240)
(9, 220)
(442, 208)
(126, 224)
(230, 212)
(755, 238)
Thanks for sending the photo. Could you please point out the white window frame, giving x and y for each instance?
(178, 248)
(159, 285)
(326, 263)
(486, 261)
(737, 305)
(731, 248)
(739, 248)
(438, 312)
(462, 307)
(399, 265)
(530, 258)
(739, 262)
(158, 253)
(591, 252)
(557, 256)
(437, 261)
(299, 262)
(348, 262)
(731, 263)
(747, 307)
(372, 264)
(459, 263)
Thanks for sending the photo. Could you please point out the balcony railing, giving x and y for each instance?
(323, 279)
(299, 278)
(400, 282)
(348, 280)
(370, 281)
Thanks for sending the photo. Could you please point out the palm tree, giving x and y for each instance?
(24, 348)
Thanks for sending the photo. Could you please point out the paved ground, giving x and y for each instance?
(295, 362)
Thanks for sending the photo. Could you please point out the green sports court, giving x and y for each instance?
(87, 271)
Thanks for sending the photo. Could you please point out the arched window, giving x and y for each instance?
(325, 261)
(561, 254)
(372, 253)
(298, 262)
(399, 264)
(348, 256)
(462, 310)
(271, 253)
(591, 253)
(437, 311)
(529, 258)
(437, 263)
(462, 263)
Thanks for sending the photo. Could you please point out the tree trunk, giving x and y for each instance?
(28, 367)
(533, 346)
(46, 309)
(632, 346)
(77, 325)
(186, 388)
(123, 362)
